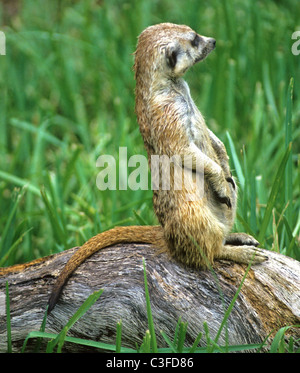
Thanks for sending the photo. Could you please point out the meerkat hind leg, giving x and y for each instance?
(242, 254)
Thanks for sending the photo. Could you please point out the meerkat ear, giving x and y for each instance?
(171, 55)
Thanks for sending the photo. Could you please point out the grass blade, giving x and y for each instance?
(80, 341)
(146, 345)
(149, 313)
(181, 336)
(61, 337)
(230, 97)
(6, 236)
(37, 131)
(278, 344)
(13, 247)
(236, 162)
(58, 229)
(119, 336)
(19, 182)
(195, 344)
(230, 307)
(269, 91)
(42, 329)
(288, 176)
(253, 197)
(169, 342)
(273, 195)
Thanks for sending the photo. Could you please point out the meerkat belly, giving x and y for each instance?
(198, 134)
(190, 227)
(190, 202)
(195, 126)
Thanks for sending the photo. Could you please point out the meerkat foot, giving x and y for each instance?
(243, 254)
(240, 239)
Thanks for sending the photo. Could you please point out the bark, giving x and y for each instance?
(269, 298)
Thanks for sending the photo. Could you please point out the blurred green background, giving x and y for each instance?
(67, 97)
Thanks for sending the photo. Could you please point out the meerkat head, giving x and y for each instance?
(170, 50)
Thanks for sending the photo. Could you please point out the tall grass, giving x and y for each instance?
(67, 96)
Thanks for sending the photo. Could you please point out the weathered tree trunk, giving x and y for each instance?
(269, 299)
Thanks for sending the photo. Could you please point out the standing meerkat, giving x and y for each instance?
(197, 230)
(194, 230)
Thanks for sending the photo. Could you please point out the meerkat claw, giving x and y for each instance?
(230, 180)
(223, 199)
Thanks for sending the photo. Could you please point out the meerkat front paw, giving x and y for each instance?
(240, 239)
(221, 191)
(223, 199)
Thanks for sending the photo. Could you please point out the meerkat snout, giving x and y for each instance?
(205, 41)
(213, 43)
(186, 50)
(207, 45)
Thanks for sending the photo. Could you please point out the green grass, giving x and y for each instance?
(67, 97)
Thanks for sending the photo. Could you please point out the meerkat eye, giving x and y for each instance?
(195, 42)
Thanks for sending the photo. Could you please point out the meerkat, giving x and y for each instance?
(195, 231)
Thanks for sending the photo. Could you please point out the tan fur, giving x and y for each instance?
(194, 230)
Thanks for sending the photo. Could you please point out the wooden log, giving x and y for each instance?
(269, 298)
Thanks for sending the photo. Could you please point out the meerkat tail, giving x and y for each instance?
(130, 234)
